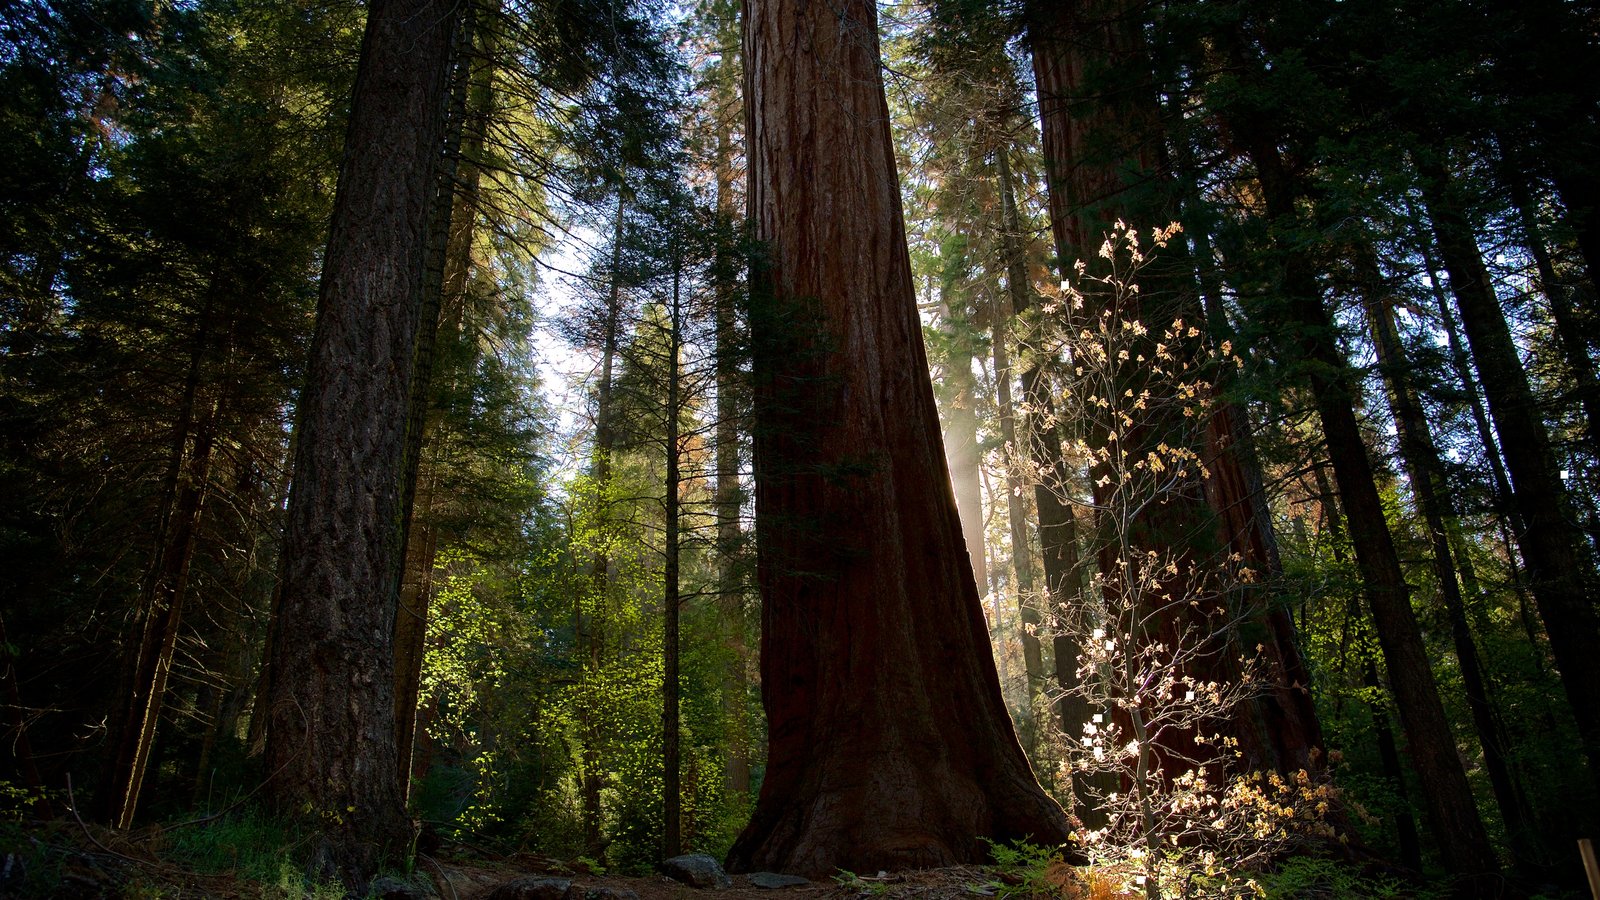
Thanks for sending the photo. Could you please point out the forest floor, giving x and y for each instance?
(477, 880)
(77, 862)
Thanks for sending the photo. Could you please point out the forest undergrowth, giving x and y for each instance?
(245, 855)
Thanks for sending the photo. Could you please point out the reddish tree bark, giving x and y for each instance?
(1103, 154)
(890, 746)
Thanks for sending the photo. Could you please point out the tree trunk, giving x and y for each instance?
(1064, 575)
(1016, 460)
(1540, 44)
(411, 628)
(729, 492)
(330, 738)
(1560, 574)
(1421, 457)
(1569, 334)
(1058, 527)
(997, 629)
(961, 432)
(1103, 150)
(672, 841)
(166, 583)
(1405, 824)
(890, 746)
(1388, 755)
(455, 217)
(590, 629)
(1507, 520)
(1463, 842)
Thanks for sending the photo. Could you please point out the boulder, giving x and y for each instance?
(696, 870)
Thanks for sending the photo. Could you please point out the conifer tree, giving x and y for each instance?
(863, 628)
(330, 740)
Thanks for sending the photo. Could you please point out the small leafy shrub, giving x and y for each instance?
(1028, 870)
(866, 887)
(1313, 877)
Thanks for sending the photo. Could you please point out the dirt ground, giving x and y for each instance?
(461, 879)
(98, 864)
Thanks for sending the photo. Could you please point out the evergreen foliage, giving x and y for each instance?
(1388, 217)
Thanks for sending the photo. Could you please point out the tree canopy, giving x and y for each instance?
(1151, 448)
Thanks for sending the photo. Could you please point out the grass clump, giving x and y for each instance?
(252, 847)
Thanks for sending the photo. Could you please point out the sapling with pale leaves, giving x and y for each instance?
(1161, 668)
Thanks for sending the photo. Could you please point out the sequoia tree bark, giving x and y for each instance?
(890, 746)
(1103, 152)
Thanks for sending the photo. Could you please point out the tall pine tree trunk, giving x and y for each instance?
(1507, 520)
(1570, 338)
(1546, 52)
(1422, 462)
(890, 745)
(1058, 527)
(1447, 797)
(730, 495)
(961, 431)
(1388, 754)
(166, 583)
(1017, 462)
(330, 736)
(454, 226)
(1282, 730)
(589, 629)
(672, 757)
(1560, 573)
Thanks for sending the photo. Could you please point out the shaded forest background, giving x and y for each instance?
(1356, 430)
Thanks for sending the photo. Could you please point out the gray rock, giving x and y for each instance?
(392, 888)
(696, 870)
(13, 871)
(535, 887)
(773, 881)
(600, 892)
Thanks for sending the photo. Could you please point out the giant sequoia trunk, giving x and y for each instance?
(330, 729)
(890, 746)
